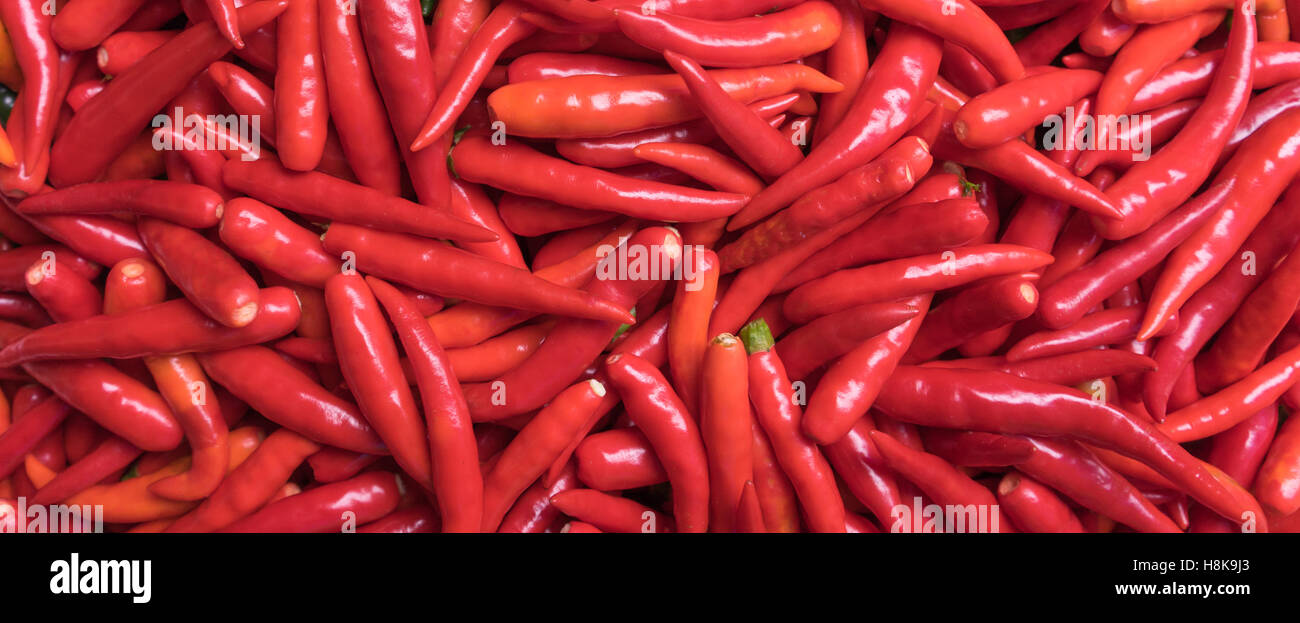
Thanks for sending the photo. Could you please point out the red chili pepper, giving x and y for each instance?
(962, 22)
(1034, 507)
(207, 275)
(363, 499)
(621, 459)
(355, 104)
(1233, 404)
(333, 464)
(502, 28)
(823, 340)
(434, 267)
(301, 105)
(369, 361)
(184, 204)
(470, 203)
(943, 483)
(530, 216)
(294, 401)
(1046, 42)
(1008, 111)
(618, 151)
(575, 343)
(81, 25)
(251, 484)
(996, 402)
(1157, 11)
(1154, 187)
(779, 37)
(609, 513)
(725, 425)
(908, 277)
(261, 234)
(888, 99)
(120, 51)
(705, 164)
(661, 416)
(107, 123)
(534, 512)
(549, 65)
(779, 416)
(63, 293)
(27, 431)
(520, 169)
(591, 106)
(1104, 328)
(29, 28)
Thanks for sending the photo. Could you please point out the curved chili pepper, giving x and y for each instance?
(63, 293)
(610, 513)
(778, 415)
(809, 347)
(755, 142)
(1274, 64)
(1269, 160)
(940, 481)
(858, 462)
(107, 123)
(207, 275)
(534, 448)
(1070, 298)
(363, 499)
(1154, 187)
(549, 65)
(620, 459)
(888, 99)
(249, 485)
(1106, 34)
(688, 324)
(502, 28)
(259, 233)
(962, 22)
(1278, 483)
(1262, 109)
(534, 512)
(995, 402)
(908, 277)
(1034, 507)
(111, 455)
(434, 267)
(574, 343)
(705, 164)
(26, 432)
(1158, 11)
(780, 37)
(1244, 341)
(1210, 308)
(520, 169)
(184, 204)
(355, 105)
(1047, 42)
(865, 190)
(320, 195)
(618, 151)
(1103, 328)
(1239, 452)
(530, 216)
(369, 361)
(29, 28)
(295, 401)
(81, 25)
(1233, 404)
(1008, 111)
(470, 203)
(600, 106)
(982, 307)
(496, 356)
(661, 416)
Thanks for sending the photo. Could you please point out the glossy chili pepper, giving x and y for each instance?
(534, 512)
(1009, 110)
(609, 513)
(81, 25)
(1262, 109)
(1154, 187)
(962, 22)
(941, 482)
(319, 195)
(496, 356)
(620, 459)
(888, 98)
(294, 401)
(111, 455)
(908, 277)
(1210, 308)
(301, 103)
(456, 478)
(261, 234)
(519, 169)
(531, 216)
(251, 484)
(1107, 327)
(1275, 63)
(189, 205)
(1034, 507)
(332, 464)
(981, 308)
(502, 28)
(363, 499)
(967, 399)
(1075, 294)
(618, 151)
(207, 275)
(1278, 483)
(858, 462)
(576, 107)
(547, 65)
(1269, 160)
(369, 361)
(846, 63)
(1069, 369)
(416, 519)
(11, 75)
(866, 189)
(725, 425)
(688, 323)
(672, 431)
(470, 203)
(29, 28)
(1233, 404)
(63, 293)
(779, 37)
(823, 340)
(461, 274)
(703, 163)
(574, 343)
(107, 123)
(535, 447)
(1047, 41)
(1158, 11)
(27, 431)
(466, 324)
(776, 412)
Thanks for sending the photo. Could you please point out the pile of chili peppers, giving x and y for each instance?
(652, 265)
